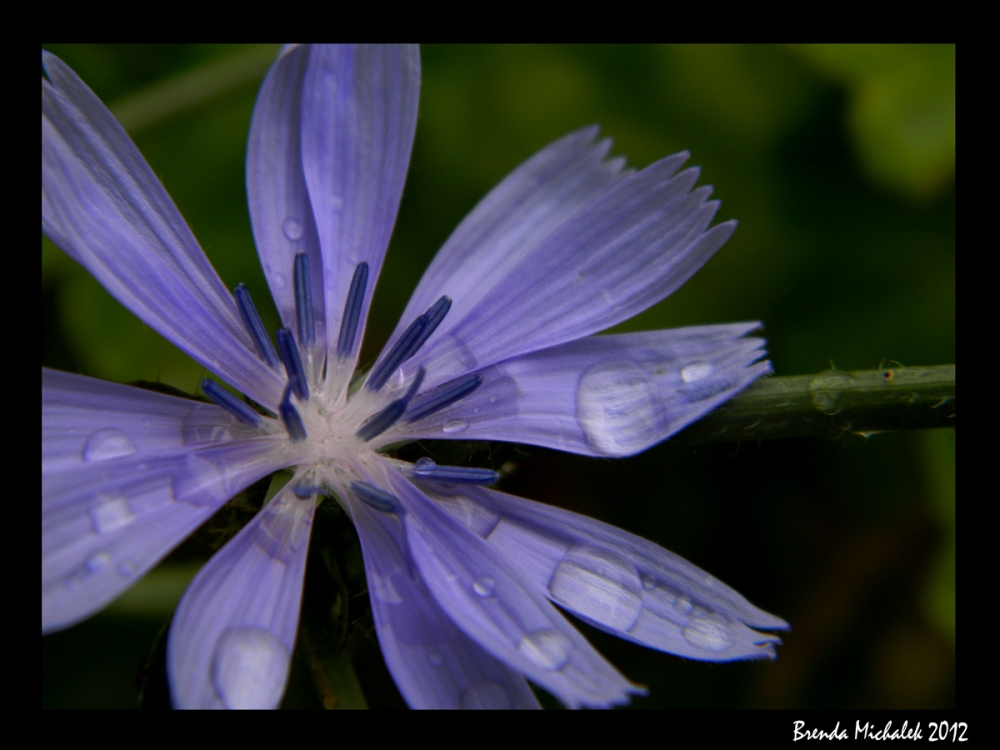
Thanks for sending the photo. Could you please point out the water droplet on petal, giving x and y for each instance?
(648, 583)
(221, 434)
(98, 562)
(278, 280)
(486, 695)
(126, 569)
(662, 602)
(484, 586)
(94, 565)
(477, 517)
(202, 425)
(106, 444)
(109, 513)
(434, 659)
(383, 589)
(617, 406)
(453, 426)
(683, 605)
(292, 229)
(696, 371)
(199, 482)
(424, 463)
(710, 633)
(396, 380)
(598, 584)
(249, 668)
(707, 387)
(548, 648)
(282, 529)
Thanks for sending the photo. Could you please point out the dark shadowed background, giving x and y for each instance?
(838, 163)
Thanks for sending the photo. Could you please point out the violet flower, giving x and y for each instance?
(496, 344)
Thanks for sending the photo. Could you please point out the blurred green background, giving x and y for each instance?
(838, 162)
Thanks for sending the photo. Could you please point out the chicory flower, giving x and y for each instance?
(497, 343)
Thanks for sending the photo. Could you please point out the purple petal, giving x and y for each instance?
(520, 212)
(231, 640)
(603, 395)
(280, 210)
(614, 258)
(359, 115)
(617, 581)
(489, 598)
(126, 475)
(104, 206)
(434, 663)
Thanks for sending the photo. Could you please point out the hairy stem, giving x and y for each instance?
(832, 403)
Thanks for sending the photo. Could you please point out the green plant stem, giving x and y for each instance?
(832, 403)
(194, 87)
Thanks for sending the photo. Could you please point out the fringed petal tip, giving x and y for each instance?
(617, 581)
(613, 395)
(489, 598)
(573, 281)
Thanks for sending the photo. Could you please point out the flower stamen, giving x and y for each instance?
(304, 491)
(377, 499)
(290, 417)
(426, 469)
(221, 397)
(289, 351)
(449, 393)
(410, 342)
(352, 311)
(303, 302)
(383, 420)
(254, 326)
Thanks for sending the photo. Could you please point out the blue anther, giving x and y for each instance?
(289, 351)
(221, 397)
(386, 418)
(352, 311)
(303, 301)
(254, 326)
(377, 499)
(425, 468)
(447, 395)
(433, 317)
(290, 416)
(396, 355)
(409, 343)
(305, 491)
